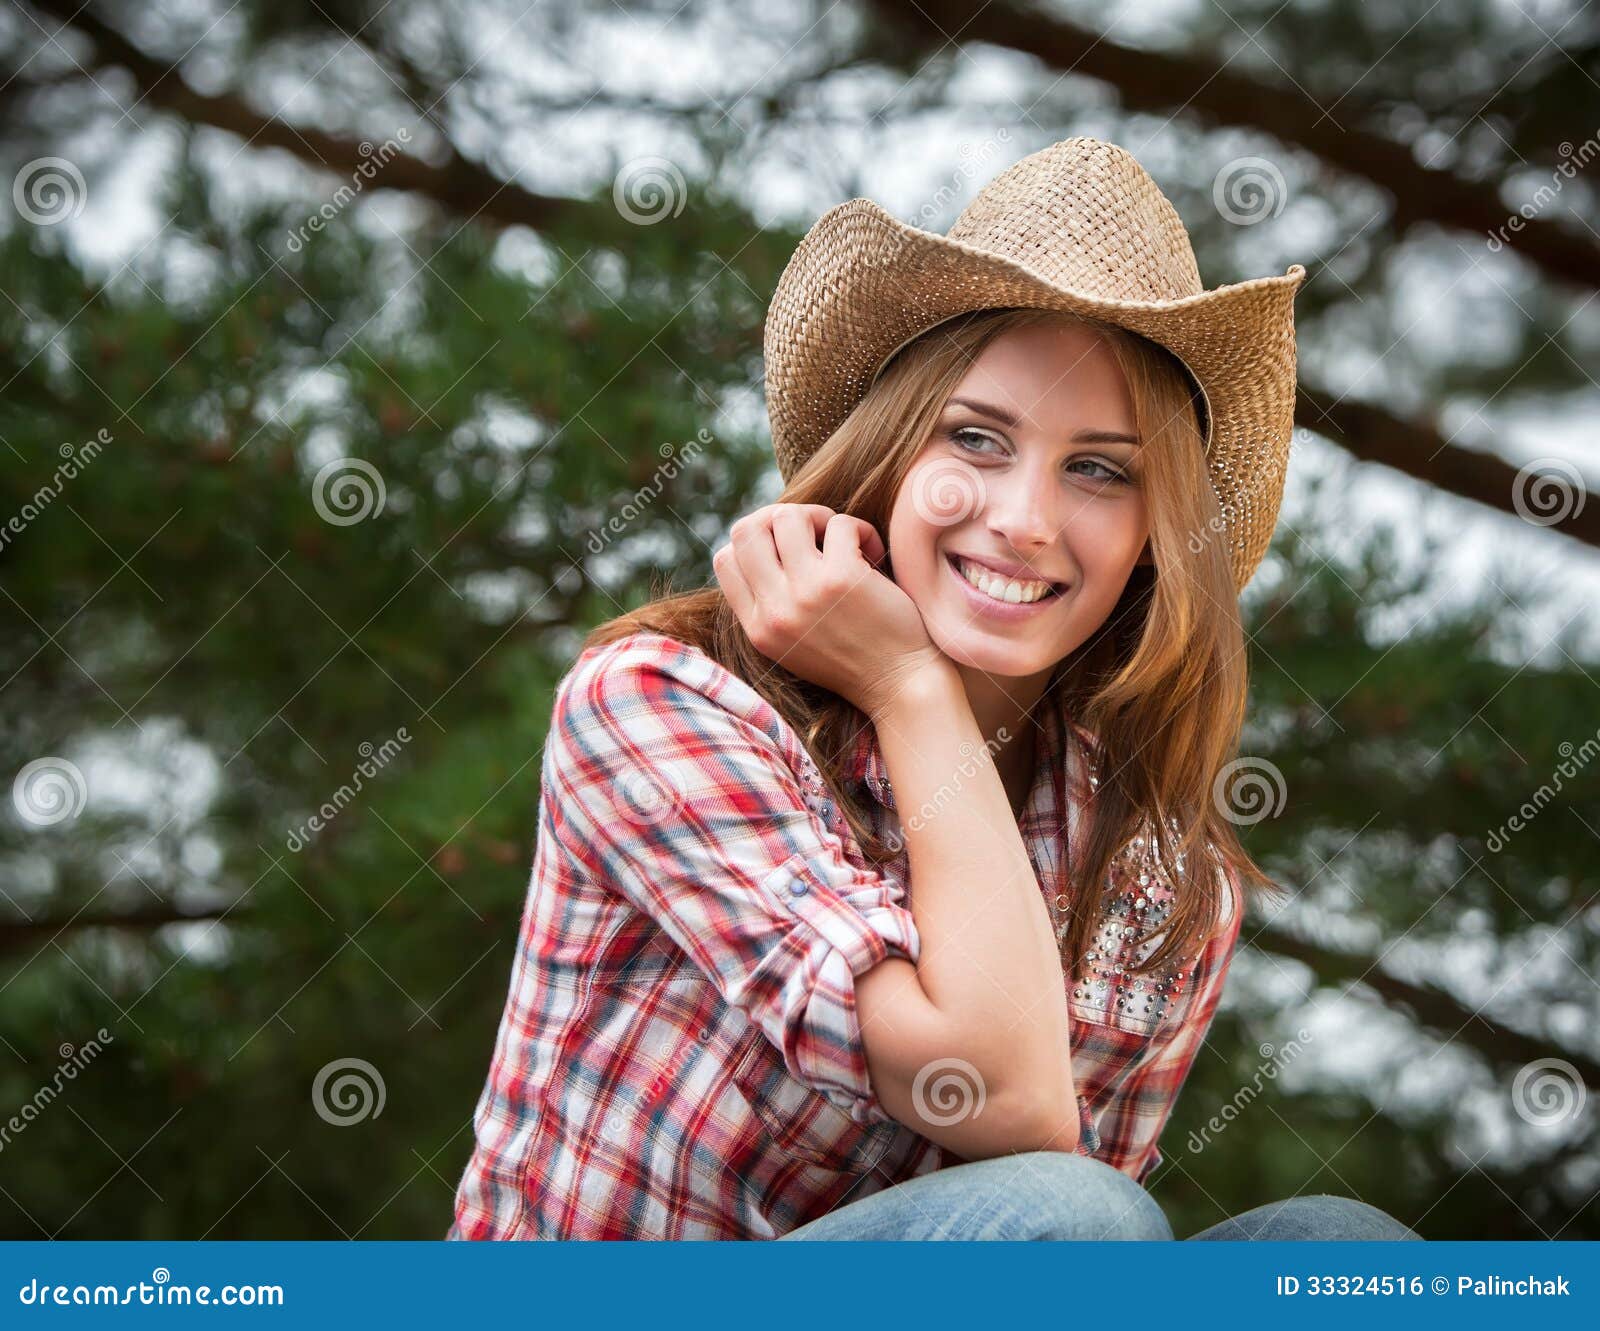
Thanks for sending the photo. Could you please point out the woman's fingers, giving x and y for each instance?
(777, 542)
(757, 554)
(797, 534)
(848, 541)
(871, 544)
(725, 564)
(783, 561)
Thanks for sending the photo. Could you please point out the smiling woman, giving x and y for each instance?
(1022, 483)
(904, 831)
(1038, 490)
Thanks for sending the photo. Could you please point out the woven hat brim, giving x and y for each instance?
(862, 284)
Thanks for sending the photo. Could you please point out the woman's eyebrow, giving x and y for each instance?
(1009, 418)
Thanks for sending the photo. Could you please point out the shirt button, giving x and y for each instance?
(799, 887)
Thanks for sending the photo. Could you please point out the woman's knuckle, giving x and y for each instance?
(767, 639)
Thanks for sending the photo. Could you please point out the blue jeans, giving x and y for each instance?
(1054, 1195)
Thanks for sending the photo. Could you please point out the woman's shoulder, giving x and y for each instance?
(640, 650)
(1230, 903)
(635, 660)
(1221, 939)
(646, 673)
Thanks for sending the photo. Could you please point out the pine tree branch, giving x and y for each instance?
(19, 935)
(1162, 81)
(1418, 449)
(1430, 1006)
(461, 186)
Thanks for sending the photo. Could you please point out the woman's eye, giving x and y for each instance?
(967, 438)
(971, 441)
(1108, 473)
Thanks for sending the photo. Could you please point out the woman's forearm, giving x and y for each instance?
(989, 963)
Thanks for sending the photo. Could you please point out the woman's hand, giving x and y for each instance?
(825, 614)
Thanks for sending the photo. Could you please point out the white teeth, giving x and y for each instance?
(1001, 589)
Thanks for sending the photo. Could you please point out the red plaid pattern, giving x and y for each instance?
(680, 1055)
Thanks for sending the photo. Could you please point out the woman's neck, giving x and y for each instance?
(1005, 708)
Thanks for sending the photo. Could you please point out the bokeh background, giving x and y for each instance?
(357, 356)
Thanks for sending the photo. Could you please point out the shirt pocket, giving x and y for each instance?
(802, 1123)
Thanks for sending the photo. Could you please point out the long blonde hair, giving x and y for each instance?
(1161, 685)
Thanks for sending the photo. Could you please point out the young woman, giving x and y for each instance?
(880, 890)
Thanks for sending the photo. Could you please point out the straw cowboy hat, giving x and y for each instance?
(1079, 227)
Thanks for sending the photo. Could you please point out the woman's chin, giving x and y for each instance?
(977, 650)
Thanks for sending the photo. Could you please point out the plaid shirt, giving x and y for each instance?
(680, 1055)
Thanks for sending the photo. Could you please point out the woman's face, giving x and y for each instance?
(1031, 471)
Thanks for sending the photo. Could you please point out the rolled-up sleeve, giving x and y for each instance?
(677, 787)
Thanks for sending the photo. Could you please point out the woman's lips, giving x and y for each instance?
(1001, 610)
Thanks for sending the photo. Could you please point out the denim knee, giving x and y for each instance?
(1348, 1218)
(1318, 1216)
(1056, 1195)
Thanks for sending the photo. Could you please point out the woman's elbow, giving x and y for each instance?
(1045, 1123)
(956, 1086)
(1003, 1123)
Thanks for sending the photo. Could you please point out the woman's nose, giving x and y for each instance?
(1022, 511)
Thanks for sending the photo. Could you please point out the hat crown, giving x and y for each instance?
(1083, 214)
